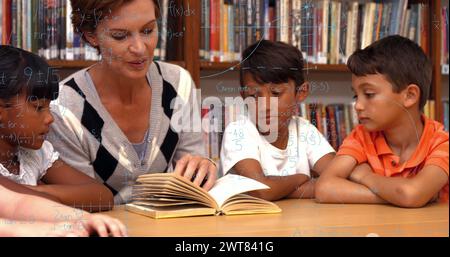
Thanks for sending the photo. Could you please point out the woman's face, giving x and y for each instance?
(127, 38)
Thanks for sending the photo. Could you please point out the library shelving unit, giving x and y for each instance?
(314, 67)
(182, 49)
(433, 45)
(188, 47)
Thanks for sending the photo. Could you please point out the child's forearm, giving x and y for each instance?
(280, 186)
(395, 190)
(392, 189)
(305, 191)
(341, 190)
(24, 189)
(25, 207)
(14, 228)
(6, 229)
(37, 193)
(90, 197)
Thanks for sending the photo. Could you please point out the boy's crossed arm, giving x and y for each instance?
(333, 185)
(405, 192)
(306, 190)
(291, 186)
(346, 182)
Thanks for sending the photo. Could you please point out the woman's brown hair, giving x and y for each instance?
(86, 14)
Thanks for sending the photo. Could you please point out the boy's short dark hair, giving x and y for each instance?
(22, 71)
(401, 60)
(272, 62)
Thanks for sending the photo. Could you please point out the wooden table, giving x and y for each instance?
(300, 218)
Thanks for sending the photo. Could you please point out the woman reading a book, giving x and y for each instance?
(117, 119)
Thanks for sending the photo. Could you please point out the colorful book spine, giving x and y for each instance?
(334, 121)
(6, 22)
(207, 49)
(202, 49)
(229, 37)
(429, 109)
(14, 38)
(444, 40)
(215, 30)
(236, 30)
(18, 23)
(1, 21)
(446, 115)
(222, 32)
(163, 39)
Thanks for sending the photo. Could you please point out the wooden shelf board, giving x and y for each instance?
(70, 64)
(205, 65)
(79, 64)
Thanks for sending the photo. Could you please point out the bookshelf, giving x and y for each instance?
(79, 64)
(219, 78)
(432, 47)
(188, 47)
(436, 36)
(17, 15)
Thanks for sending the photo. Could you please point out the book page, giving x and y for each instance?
(247, 204)
(171, 185)
(170, 212)
(232, 184)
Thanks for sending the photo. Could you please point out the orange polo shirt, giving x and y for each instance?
(371, 147)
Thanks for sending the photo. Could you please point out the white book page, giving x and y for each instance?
(231, 184)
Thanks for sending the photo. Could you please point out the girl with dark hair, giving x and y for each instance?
(27, 85)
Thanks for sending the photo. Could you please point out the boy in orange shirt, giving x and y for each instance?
(396, 155)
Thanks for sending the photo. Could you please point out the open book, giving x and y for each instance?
(166, 195)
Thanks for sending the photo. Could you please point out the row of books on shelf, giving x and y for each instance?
(45, 27)
(430, 111)
(326, 32)
(334, 121)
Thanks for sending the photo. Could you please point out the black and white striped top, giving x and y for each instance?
(89, 140)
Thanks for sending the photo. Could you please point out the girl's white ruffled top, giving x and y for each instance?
(33, 164)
